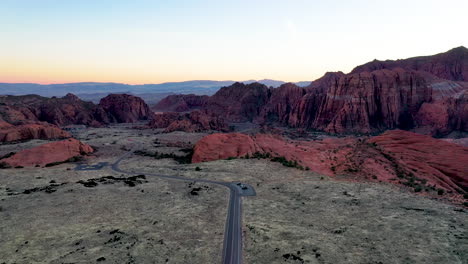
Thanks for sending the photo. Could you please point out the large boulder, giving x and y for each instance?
(58, 151)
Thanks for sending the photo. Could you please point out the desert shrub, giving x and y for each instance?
(4, 165)
(465, 196)
(197, 168)
(440, 191)
(72, 159)
(7, 155)
(418, 189)
(180, 159)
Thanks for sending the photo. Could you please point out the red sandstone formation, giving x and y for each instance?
(181, 103)
(281, 104)
(408, 95)
(397, 156)
(196, 121)
(238, 102)
(163, 120)
(27, 131)
(59, 111)
(442, 164)
(440, 117)
(48, 153)
(124, 108)
(450, 65)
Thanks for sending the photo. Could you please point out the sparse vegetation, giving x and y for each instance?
(197, 168)
(280, 159)
(72, 159)
(7, 155)
(4, 165)
(187, 159)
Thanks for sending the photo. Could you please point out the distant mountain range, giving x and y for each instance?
(93, 91)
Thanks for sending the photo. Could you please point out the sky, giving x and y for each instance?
(151, 41)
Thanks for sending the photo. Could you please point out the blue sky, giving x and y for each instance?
(156, 41)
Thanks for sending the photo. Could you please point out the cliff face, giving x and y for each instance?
(124, 108)
(239, 102)
(372, 101)
(281, 104)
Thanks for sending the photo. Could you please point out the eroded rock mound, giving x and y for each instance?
(53, 152)
(124, 108)
(419, 162)
(426, 160)
(28, 130)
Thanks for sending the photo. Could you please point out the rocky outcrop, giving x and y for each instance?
(181, 103)
(163, 120)
(432, 161)
(450, 65)
(441, 117)
(238, 102)
(196, 121)
(400, 157)
(369, 102)
(70, 110)
(63, 111)
(281, 104)
(58, 151)
(28, 131)
(124, 108)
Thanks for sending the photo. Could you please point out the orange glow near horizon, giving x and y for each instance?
(145, 42)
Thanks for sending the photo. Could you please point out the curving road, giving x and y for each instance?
(232, 248)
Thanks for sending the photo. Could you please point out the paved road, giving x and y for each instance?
(232, 248)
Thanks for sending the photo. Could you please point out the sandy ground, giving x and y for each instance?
(296, 217)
